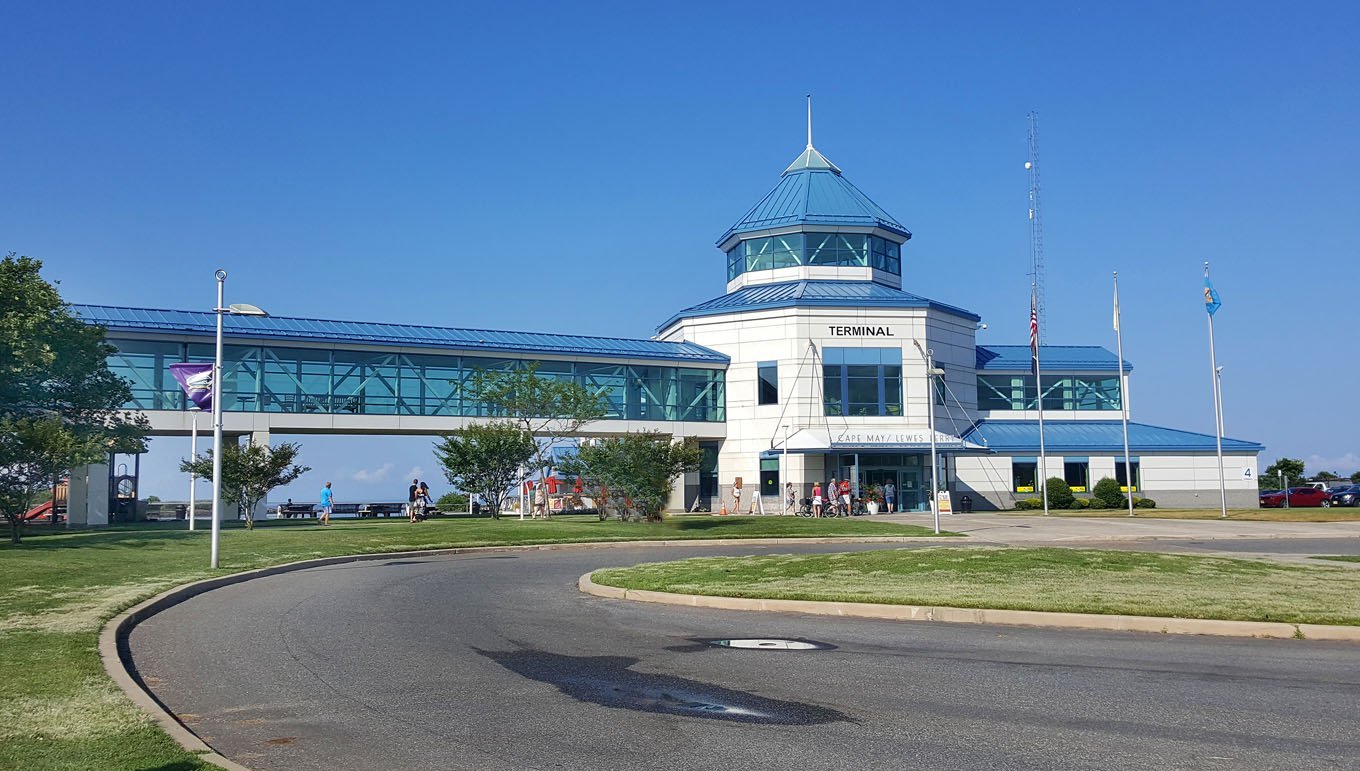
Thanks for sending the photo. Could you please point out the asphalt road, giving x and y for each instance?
(497, 662)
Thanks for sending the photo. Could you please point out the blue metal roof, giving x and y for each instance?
(203, 324)
(1076, 436)
(790, 294)
(813, 192)
(1086, 358)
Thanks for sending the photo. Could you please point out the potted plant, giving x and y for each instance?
(874, 499)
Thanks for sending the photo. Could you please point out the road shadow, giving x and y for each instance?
(610, 682)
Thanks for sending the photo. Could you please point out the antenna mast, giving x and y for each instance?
(1036, 222)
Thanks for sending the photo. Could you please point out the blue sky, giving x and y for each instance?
(446, 163)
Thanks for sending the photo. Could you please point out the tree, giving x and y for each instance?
(1292, 469)
(1059, 493)
(550, 408)
(639, 468)
(1356, 477)
(1325, 476)
(249, 472)
(1108, 494)
(60, 405)
(485, 458)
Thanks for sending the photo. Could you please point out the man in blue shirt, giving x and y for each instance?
(327, 504)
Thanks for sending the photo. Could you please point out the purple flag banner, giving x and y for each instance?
(196, 380)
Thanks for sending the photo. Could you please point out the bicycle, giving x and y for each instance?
(804, 508)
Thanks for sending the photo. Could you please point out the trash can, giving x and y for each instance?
(966, 505)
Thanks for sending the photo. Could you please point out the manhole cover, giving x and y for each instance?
(771, 644)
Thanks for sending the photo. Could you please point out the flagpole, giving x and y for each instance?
(1218, 401)
(1123, 396)
(1039, 393)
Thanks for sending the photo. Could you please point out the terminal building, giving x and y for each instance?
(811, 365)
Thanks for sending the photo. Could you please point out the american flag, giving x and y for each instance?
(1033, 333)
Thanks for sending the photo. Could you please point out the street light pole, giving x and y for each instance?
(193, 453)
(930, 412)
(221, 310)
(218, 310)
(784, 474)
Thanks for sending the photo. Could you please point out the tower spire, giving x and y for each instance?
(809, 110)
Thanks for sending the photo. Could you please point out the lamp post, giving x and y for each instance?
(221, 310)
(193, 453)
(784, 474)
(931, 374)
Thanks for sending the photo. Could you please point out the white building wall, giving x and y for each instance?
(783, 336)
(1173, 480)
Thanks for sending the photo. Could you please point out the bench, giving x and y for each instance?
(301, 510)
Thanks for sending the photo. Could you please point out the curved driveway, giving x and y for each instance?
(495, 661)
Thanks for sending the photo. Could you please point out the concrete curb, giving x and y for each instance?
(984, 616)
(116, 654)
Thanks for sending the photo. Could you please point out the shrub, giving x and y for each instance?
(1029, 503)
(1108, 493)
(1096, 503)
(1059, 494)
(453, 502)
(1144, 503)
(1079, 503)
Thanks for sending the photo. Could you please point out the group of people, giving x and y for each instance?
(417, 498)
(837, 496)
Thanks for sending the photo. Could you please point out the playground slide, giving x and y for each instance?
(38, 511)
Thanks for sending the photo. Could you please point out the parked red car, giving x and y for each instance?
(1298, 496)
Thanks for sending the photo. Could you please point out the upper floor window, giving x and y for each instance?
(862, 381)
(767, 383)
(827, 249)
(1061, 392)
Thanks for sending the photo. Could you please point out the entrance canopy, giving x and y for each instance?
(816, 440)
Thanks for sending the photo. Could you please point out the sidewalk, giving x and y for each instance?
(1019, 530)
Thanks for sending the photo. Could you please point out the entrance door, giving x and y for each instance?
(880, 478)
(911, 492)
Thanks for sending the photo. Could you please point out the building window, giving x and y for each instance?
(1077, 474)
(769, 478)
(862, 381)
(767, 384)
(266, 378)
(1122, 478)
(1061, 392)
(1023, 474)
(831, 249)
(941, 390)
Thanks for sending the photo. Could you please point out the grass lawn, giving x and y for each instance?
(1073, 580)
(1241, 515)
(1341, 558)
(59, 710)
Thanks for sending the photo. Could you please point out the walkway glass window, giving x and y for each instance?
(261, 378)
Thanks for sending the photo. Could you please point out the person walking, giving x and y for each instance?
(327, 504)
(816, 499)
(789, 499)
(736, 497)
(845, 497)
(412, 495)
(540, 501)
(423, 501)
(890, 497)
(832, 497)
